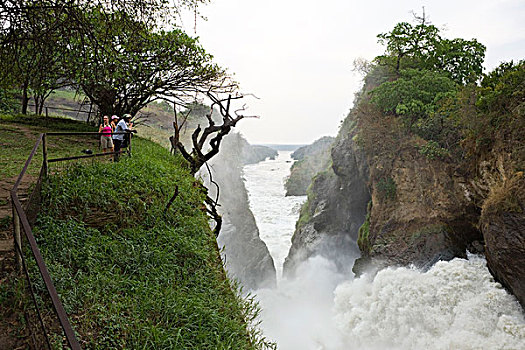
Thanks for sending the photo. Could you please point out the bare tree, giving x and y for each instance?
(206, 141)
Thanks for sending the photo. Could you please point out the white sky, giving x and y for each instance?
(297, 55)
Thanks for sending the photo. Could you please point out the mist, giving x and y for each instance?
(454, 305)
(298, 314)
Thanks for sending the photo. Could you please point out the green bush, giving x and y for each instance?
(386, 188)
(432, 150)
(364, 231)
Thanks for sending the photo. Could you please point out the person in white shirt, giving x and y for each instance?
(118, 139)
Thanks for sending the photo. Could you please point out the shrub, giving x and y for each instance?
(364, 231)
(386, 188)
(432, 150)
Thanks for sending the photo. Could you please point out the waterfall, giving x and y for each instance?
(453, 305)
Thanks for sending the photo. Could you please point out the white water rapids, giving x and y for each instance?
(454, 305)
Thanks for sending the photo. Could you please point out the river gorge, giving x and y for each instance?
(453, 304)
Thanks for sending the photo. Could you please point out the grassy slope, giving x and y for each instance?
(18, 135)
(131, 275)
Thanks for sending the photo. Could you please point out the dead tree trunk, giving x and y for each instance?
(206, 143)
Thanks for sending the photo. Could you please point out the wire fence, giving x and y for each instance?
(45, 315)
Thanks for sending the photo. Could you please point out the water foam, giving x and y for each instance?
(454, 305)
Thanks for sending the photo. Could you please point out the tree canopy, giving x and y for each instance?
(121, 54)
(124, 70)
(420, 76)
(421, 46)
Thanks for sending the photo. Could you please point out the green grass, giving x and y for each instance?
(132, 275)
(66, 94)
(18, 134)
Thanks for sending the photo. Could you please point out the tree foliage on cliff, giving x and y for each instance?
(424, 74)
(434, 88)
(420, 46)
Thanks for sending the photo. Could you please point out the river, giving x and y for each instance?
(453, 305)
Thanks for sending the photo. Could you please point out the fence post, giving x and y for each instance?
(17, 239)
(129, 146)
(44, 154)
(46, 113)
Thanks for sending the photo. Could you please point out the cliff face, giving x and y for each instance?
(246, 256)
(251, 154)
(412, 208)
(335, 210)
(501, 191)
(419, 212)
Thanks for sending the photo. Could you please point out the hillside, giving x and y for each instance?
(129, 273)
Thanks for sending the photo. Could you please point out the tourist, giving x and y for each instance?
(118, 137)
(114, 121)
(129, 123)
(105, 129)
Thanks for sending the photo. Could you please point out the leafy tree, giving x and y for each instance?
(121, 70)
(33, 56)
(414, 95)
(424, 74)
(503, 89)
(408, 46)
(99, 43)
(420, 46)
(461, 59)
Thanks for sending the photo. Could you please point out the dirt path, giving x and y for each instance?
(13, 333)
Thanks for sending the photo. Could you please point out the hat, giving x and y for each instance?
(114, 117)
(126, 116)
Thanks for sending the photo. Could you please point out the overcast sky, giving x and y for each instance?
(296, 55)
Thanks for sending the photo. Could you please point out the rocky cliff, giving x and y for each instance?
(251, 154)
(310, 160)
(404, 200)
(334, 211)
(246, 256)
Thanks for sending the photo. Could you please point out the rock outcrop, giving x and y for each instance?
(439, 175)
(251, 154)
(334, 211)
(310, 160)
(503, 223)
(411, 208)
